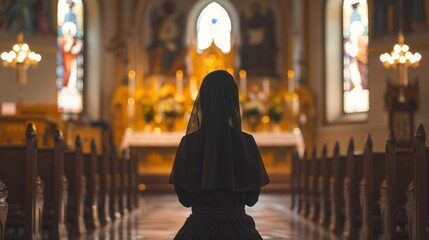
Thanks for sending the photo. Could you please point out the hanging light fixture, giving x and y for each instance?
(20, 58)
(401, 58)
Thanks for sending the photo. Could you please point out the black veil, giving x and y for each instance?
(215, 154)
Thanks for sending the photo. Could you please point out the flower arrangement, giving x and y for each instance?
(275, 109)
(148, 110)
(169, 107)
(253, 107)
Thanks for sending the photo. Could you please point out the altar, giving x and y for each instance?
(155, 153)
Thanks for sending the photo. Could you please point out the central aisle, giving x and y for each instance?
(161, 216)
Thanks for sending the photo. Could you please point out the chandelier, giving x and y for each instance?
(401, 58)
(20, 58)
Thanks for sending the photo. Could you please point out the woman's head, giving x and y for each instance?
(219, 89)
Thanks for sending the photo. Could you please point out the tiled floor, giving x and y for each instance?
(161, 216)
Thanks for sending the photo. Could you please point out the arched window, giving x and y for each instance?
(355, 56)
(70, 55)
(214, 24)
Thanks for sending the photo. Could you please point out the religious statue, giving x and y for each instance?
(27, 16)
(259, 47)
(166, 50)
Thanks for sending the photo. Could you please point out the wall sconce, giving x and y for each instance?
(20, 58)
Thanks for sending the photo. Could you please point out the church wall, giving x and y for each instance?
(376, 124)
(40, 87)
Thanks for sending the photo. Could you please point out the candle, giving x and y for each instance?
(243, 81)
(295, 104)
(266, 87)
(179, 82)
(157, 86)
(193, 89)
(291, 83)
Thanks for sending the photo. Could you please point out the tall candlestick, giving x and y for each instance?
(295, 104)
(179, 82)
(193, 88)
(157, 86)
(290, 79)
(243, 81)
(266, 87)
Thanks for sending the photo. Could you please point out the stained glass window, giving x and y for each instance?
(355, 42)
(214, 24)
(70, 44)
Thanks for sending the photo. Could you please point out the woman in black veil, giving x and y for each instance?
(218, 168)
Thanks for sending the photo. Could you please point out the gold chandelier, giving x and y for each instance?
(401, 58)
(20, 58)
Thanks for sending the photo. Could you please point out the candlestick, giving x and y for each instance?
(193, 88)
(179, 82)
(266, 87)
(291, 83)
(295, 104)
(243, 81)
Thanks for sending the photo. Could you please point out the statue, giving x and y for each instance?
(166, 50)
(259, 47)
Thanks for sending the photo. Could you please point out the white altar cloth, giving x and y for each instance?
(172, 139)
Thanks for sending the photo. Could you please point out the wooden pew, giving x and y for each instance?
(131, 178)
(115, 184)
(295, 183)
(124, 183)
(417, 199)
(90, 170)
(304, 191)
(73, 166)
(399, 165)
(105, 184)
(19, 172)
(12, 129)
(352, 180)
(373, 172)
(323, 187)
(3, 208)
(50, 165)
(336, 190)
(134, 178)
(314, 201)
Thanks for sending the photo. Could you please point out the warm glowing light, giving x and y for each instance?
(131, 74)
(131, 101)
(400, 55)
(265, 119)
(157, 118)
(288, 98)
(290, 74)
(157, 130)
(294, 97)
(179, 74)
(142, 186)
(20, 58)
(242, 73)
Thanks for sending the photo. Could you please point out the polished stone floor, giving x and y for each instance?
(161, 216)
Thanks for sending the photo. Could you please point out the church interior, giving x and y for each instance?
(333, 91)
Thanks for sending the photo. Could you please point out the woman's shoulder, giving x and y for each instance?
(247, 136)
(189, 137)
(191, 134)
